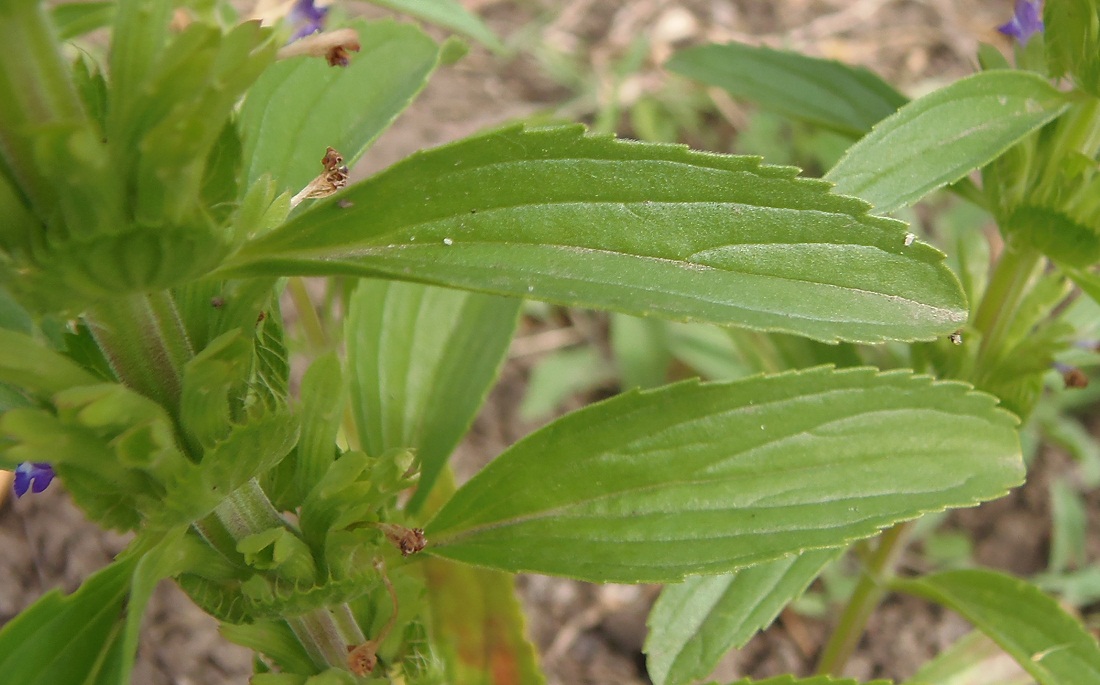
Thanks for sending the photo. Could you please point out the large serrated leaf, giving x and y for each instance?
(1030, 626)
(945, 135)
(707, 478)
(849, 100)
(422, 360)
(301, 106)
(644, 229)
(694, 623)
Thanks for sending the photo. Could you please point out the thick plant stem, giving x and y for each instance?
(318, 633)
(865, 598)
(144, 340)
(325, 633)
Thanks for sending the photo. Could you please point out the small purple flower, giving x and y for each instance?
(35, 475)
(1027, 20)
(307, 17)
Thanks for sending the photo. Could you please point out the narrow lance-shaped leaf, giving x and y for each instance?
(644, 229)
(478, 626)
(301, 106)
(812, 680)
(694, 623)
(476, 622)
(1030, 626)
(945, 135)
(422, 360)
(64, 640)
(447, 13)
(695, 479)
(849, 100)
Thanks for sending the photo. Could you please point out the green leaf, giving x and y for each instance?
(708, 478)
(813, 680)
(693, 624)
(644, 229)
(167, 558)
(301, 106)
(477, 626)
(322, 410)
(849, 100)
(273, 638)
(1047, 642)
(973, 659)
(1072, 35)
(560, 375)
(422, 360)
(448, 14)
(138, 36)
(945, 135)
(28, 364)
(63, 640)
(1055, 234)
(641, 350)
(74, 19)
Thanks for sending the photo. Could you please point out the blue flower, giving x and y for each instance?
(35, 475)
(1027, 20)
(307, 17)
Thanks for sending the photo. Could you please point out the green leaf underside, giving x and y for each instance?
(694, 623)
(849, 100)
(645, 229)
(477, 626)
(813, 680)
(301, 106)
(449, 14)
(61, 639)
(708, 478)
(1030, 626)
(422, 360)
(945, 135)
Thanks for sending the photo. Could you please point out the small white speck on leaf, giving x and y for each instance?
(956, 338)
(448, 241)
(909, 238)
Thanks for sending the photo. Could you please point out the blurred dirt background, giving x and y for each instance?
(562, 62)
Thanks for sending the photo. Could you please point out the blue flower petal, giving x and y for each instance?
(1027, 20)
(35, 475)
(306, 18)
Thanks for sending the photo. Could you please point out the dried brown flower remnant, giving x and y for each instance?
(335, 46)
(408, 540)
(362, 659)
(334, 177)
(339, 56)
(1073, 377)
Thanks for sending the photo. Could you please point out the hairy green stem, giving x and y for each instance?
(869, 591)
(325, 633)
(321, 638)
(144, 340)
